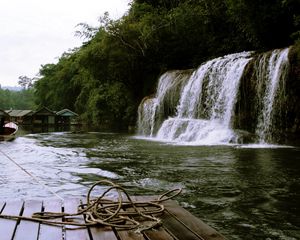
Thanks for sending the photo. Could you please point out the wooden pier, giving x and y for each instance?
(177, 224)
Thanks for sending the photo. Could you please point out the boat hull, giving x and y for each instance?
(8, 132)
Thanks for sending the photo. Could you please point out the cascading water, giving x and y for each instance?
(151, 111)
(272, 69)
(146, 114)
(199, 107)
(206, 103)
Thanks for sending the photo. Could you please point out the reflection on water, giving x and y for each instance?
(245, 193)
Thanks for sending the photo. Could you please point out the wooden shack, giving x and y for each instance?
(43, 116)
(21, 116)
(66, 117)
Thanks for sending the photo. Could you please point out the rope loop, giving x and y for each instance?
(123, 213)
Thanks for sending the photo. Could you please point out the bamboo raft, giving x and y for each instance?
(177, 224)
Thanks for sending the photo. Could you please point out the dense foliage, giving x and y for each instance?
(23, 99)
(105, 79)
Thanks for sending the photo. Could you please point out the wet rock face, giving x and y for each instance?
(247, 103)
(292, 102)
(286, 105)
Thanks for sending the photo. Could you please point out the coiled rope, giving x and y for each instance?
(123, 213)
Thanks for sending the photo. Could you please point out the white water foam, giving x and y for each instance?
(221, 79)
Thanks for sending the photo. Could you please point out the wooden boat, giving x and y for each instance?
(8, 131)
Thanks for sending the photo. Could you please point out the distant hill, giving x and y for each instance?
(15, 88)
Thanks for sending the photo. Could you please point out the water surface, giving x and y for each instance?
(244, 192)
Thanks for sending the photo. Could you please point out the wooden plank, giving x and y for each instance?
(129, 234)
(155, 234)
(28, 228)
(73, 232)
(1, 206)
(195, 225)
(7, 226)
(160, 234)
(101, 232)
(48, 232)
(177, 229)
(185, 218)
(174, 226)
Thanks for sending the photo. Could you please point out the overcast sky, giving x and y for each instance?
(36, 32)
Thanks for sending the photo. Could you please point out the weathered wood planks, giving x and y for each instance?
(188, 220)
(29, 229)
(48, 232)
(7, 226)
(73, 232)
(160, 233)
(177, 224)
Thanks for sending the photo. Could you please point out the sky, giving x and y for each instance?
(38, 32)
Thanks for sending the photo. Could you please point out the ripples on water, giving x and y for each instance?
(242, 191)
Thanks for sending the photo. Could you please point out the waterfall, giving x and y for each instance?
(146, 114)
(206, 104)
(220, 78)
(199, 107)
(271, 69)
(153, 111)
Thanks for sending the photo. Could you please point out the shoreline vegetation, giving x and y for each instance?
(121, 60)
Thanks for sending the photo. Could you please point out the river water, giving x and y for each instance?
(245, 192)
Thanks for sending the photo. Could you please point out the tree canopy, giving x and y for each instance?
(105, 79)
(23, 99)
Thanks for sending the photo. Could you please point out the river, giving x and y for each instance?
(244, 192)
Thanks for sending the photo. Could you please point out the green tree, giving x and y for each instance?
(25, 82)
(21, 100)
(266, 24)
